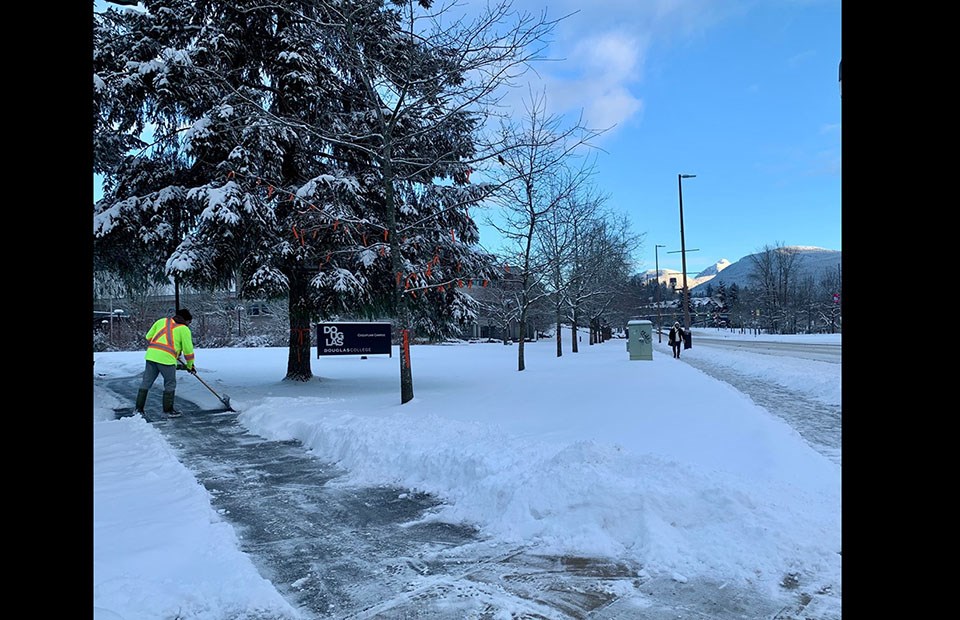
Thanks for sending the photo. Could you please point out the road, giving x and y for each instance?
(811, 351)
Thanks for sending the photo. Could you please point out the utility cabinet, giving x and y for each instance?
(640, 340)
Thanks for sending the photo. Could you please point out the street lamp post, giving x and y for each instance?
(656, 258)
(683, 252)
(114, 313)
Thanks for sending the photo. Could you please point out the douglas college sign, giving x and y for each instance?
(353, 339)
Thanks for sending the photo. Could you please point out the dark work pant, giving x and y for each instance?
(169, 372)
(676, 349)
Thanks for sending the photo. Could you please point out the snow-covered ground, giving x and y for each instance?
(589, 454)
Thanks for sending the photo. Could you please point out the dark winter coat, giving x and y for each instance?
(675, 334)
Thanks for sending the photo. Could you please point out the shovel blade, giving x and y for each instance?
(226, 402)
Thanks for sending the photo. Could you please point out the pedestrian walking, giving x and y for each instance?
(675, 337)
(166, 340)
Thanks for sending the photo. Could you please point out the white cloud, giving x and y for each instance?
(602, 73)
(604, 47)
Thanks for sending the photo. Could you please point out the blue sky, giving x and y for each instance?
(741, 93)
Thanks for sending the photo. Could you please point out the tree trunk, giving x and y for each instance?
(523, 339)
(298, 356)
(406, 371)
(559, 337)
(403, 322)
(573, 334)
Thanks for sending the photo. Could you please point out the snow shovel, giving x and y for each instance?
(223, 399)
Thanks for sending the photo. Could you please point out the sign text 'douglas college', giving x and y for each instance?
(353, 339)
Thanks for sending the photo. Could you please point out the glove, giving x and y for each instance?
(192, 370)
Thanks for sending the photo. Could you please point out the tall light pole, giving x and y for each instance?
(683, 252)
(656, 258)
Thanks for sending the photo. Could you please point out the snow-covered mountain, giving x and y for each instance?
(692, 280)
(714, 269)
(811, 261)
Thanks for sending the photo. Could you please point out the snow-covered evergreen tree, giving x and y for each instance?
(309, 149)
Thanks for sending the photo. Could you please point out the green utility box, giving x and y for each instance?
(640, 340)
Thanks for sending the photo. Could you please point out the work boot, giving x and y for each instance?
(168, 405)
(141, 401)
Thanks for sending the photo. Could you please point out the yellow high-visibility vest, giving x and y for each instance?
(166, 340)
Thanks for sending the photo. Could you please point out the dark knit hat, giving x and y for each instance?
(183, 315)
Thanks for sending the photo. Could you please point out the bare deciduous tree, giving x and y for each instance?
(600, 270)
(537, 175)
(773, 273)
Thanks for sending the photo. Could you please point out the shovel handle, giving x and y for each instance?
(223, 399)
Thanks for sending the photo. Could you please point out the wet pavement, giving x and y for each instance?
(360, 553)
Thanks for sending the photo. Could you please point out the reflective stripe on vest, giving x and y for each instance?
(167, 332)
